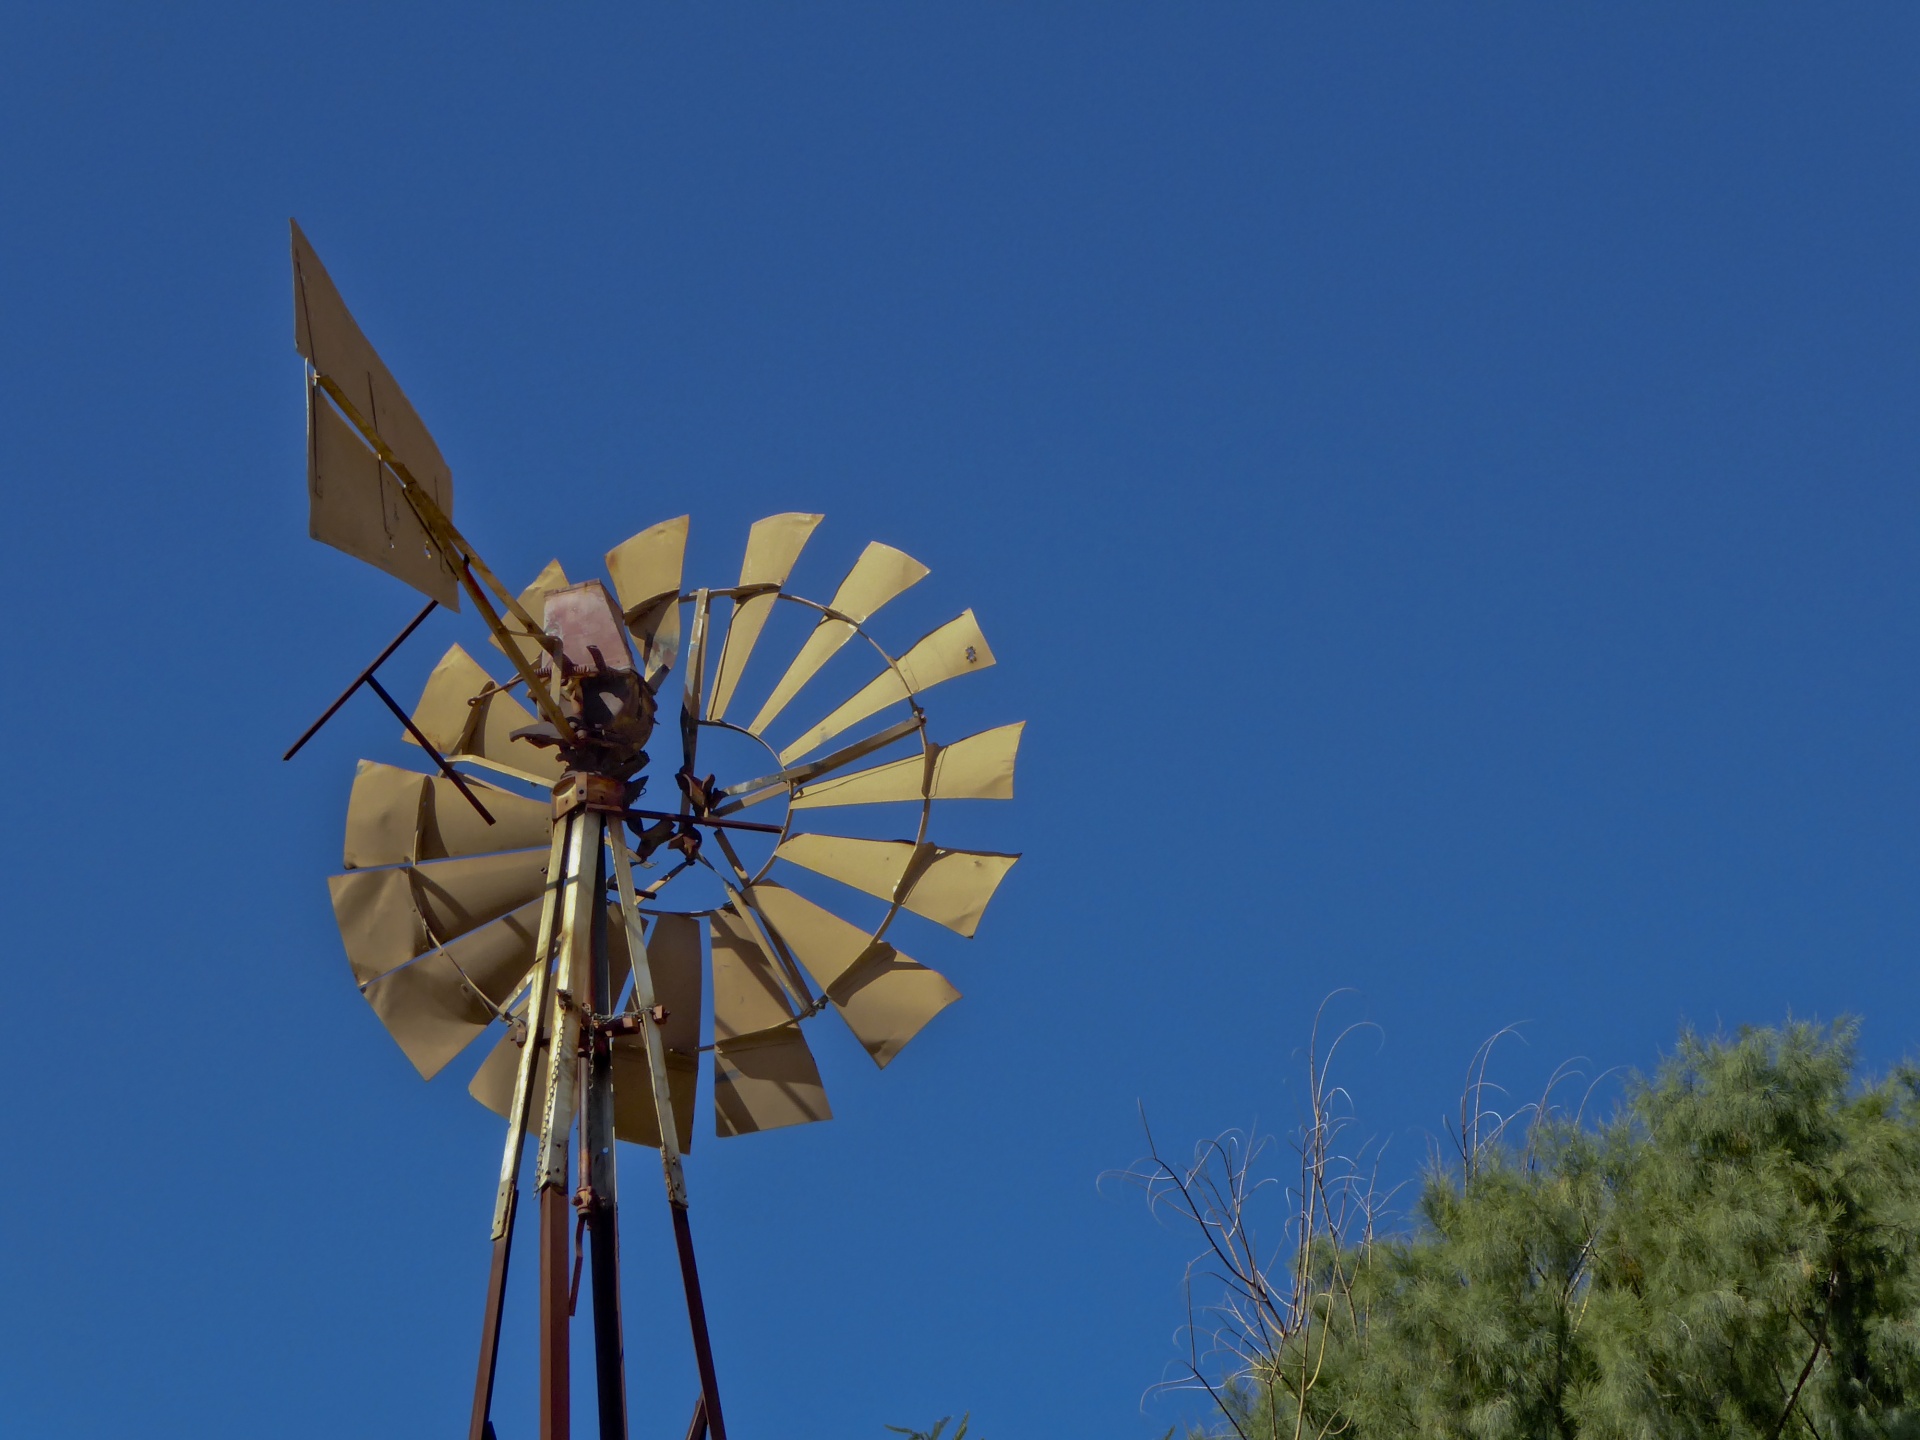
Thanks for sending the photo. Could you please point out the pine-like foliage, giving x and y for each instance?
(1736, 1255)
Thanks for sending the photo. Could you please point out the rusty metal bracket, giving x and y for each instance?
(578, 791)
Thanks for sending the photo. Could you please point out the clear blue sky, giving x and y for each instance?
(1439, 480)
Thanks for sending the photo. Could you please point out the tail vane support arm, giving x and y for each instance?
(453, 543)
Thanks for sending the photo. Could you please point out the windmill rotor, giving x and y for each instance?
(621, 947)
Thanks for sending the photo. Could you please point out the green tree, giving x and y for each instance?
(1735, 1254)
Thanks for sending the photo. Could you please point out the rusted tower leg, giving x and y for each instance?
(555, 1275)
(573, 991)
(697, 1320)
(527, 1085)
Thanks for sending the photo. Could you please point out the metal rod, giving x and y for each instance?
(698, 1429)
(752, 792)
(703, 820)
(696, 666)
(360, 679)
(447, 770)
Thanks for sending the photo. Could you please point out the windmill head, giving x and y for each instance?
(589, 666)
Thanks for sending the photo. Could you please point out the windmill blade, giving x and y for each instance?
(949, 887)
(763, 1073)
(748, 993)
(492, 1083)
(820, 940)
(880, 573)
(433, 1006)
(766, 1081)
(533, 600)
(979, 767)
(956, 648)
(356, 505)
(674, 961)
(773, 545)
(481, 732)
(646, 576)
(388, 917)
(885, 997)
(397, 816)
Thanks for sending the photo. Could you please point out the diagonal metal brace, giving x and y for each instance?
(366, 677)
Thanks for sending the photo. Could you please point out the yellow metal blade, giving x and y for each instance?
(395, 816)
(772, 547)
(646, 576)
(533, 600)
(430, 1013)
(648, 565)
(765, 1081)
(820, 940)
(383, 815)
(492, 1083)
(456, 896)
(479, 732)
(379, 923)
(979, 767)
(888, 999)
(880, 574)
(430, 1006)
(389, 916)
(949, 887)
(743, 633)
(355, 504)
(634, 1120)
(747, 994)
(673, 956)
(884, 997)
(451, 828)
(956, 648)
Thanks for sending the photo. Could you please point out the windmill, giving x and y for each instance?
(552, 903)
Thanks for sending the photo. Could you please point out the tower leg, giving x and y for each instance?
(602, 1200)
(609, 1359)
(555, 1283)
(697, 1321)
(572, 993)
(481, 1427)
(562, 855)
